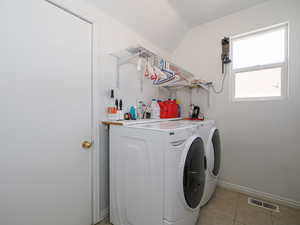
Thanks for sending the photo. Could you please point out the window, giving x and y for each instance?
(260, 64)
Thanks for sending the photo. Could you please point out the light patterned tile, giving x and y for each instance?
(226, 207)
(286, 211)
(238, 223)
(226, 194)
(286, 216)
(285, 221)
(213, 218)
(251, 215)
(253, 218)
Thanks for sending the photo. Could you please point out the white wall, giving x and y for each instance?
(260, 139)
(111, 36)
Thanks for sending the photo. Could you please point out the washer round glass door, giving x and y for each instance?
(194, 173)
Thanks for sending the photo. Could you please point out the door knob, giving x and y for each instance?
(86, 144)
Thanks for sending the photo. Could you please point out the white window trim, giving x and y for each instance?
(284, 66)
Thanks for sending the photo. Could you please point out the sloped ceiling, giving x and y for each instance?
(165, 22)
(196, 12)
(156, 20)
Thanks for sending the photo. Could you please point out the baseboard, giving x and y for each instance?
(103, 214)
(260, 194)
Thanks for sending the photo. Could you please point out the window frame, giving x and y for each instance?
(283, 65)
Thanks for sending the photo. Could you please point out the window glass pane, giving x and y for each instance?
(259, 49)
(261, 83)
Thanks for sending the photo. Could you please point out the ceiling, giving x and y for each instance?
(155, 20)
(196, 12)
(165, 22)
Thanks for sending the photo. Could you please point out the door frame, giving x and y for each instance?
(76, 11)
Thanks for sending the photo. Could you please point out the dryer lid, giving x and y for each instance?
(165, 126)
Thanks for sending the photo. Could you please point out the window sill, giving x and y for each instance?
(259, 99)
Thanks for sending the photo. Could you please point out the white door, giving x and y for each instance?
(45, 114)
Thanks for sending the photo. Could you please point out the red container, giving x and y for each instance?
(163, 110)
(169, 108)
(174, 112)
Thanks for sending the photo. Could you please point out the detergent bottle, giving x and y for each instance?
(163, 110)
(155, 110)
(174, 109)
(169, 108)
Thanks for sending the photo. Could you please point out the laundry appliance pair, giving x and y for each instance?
(161, 173)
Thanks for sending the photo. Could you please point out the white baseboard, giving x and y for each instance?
(260, 194)
(103, 214)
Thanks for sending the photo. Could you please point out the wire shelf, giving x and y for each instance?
(132, 55)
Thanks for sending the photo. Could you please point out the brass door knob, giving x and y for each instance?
(86, 144)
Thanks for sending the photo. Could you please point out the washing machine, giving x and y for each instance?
(212, 157)
(157, 174)
(211, 136)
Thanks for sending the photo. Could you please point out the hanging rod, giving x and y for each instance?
(131, 54)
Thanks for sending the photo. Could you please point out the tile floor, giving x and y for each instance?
(232, 208)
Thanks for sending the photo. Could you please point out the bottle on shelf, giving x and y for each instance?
(191, 111)
(179, 114)
(132, 112)
(139, 110)
(112, 113)
(174, 109)
(155, 109)
(169, 108)
(120, 111)
(163, 109)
